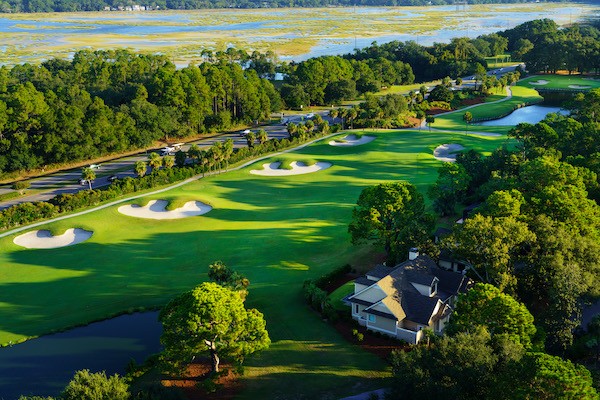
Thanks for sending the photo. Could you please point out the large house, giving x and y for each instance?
(403, 300)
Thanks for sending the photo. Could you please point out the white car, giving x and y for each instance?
(245, 132)
(94, 166)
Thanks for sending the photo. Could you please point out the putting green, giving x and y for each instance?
(567, 82)
(278, 231)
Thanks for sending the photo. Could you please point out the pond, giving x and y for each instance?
(530, 114)
(44, 366)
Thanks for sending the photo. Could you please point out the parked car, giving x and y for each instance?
(83, 182)
(113, 178)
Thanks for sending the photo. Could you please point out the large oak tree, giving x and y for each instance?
(210, 318)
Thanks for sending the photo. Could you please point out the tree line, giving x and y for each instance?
(108, 102)
(97, 5)
(545, 47)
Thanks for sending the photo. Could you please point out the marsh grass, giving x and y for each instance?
(287, 32)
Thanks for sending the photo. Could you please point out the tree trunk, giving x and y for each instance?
(213, 356)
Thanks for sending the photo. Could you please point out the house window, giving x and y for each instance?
(356, 309)
(372, 318)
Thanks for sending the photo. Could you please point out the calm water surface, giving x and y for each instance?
(44, 366)
(530, 114)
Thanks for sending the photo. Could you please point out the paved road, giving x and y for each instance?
(68, 181)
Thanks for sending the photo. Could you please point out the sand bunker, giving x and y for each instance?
(579, 87)
(298, 168)
(445, 152)
(155, 209)
(43, 239)
(352, 140)
(540, 82)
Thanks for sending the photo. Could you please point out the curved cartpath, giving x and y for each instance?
(352, 140)
(156, 209)
(298, 168)
(446, 152)
(139, 196)
(43, 239)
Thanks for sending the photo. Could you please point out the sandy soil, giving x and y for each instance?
(540, 82)
(298, 168)
(579, 87)
(43, 239)
(155, 209)
(352, 140)
(445, 152)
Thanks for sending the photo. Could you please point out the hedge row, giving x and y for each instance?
(30, 212)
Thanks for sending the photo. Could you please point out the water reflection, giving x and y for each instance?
(44, 366)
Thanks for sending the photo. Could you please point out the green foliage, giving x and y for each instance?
(95, 386)
(392, 215)
(550, 377)
(88, 175)
(491, 246)
(485, 306)
(113, 101)
(21, 186)
(210, 318)
(450, 188)
(476, 366)
(225, 276)
(441, 93)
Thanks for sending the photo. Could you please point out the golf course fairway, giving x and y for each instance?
(278, 231)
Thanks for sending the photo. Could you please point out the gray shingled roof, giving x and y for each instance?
(379, 271)
(363, 280)
(422, 270)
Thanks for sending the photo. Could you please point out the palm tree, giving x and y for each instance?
(194, 152)
(352, 114)
(250, 138)
(262, 136)
(155, 161)
(140, 168)
(168, 161)
(89, 175)
(227, 152)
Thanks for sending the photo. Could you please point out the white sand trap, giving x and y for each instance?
(445, 152)
(540, 82)
(579, 87)
(43, 239)
(155, 209)
(298, 168)
(352, 140)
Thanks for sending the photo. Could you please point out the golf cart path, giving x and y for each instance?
(174, 186)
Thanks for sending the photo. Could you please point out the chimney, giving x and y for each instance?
(413, 253)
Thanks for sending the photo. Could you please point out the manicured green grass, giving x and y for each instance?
(278, 231)
(454, 121)
(338, 294)
(560, 82)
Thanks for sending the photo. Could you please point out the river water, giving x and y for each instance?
(44, 366)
